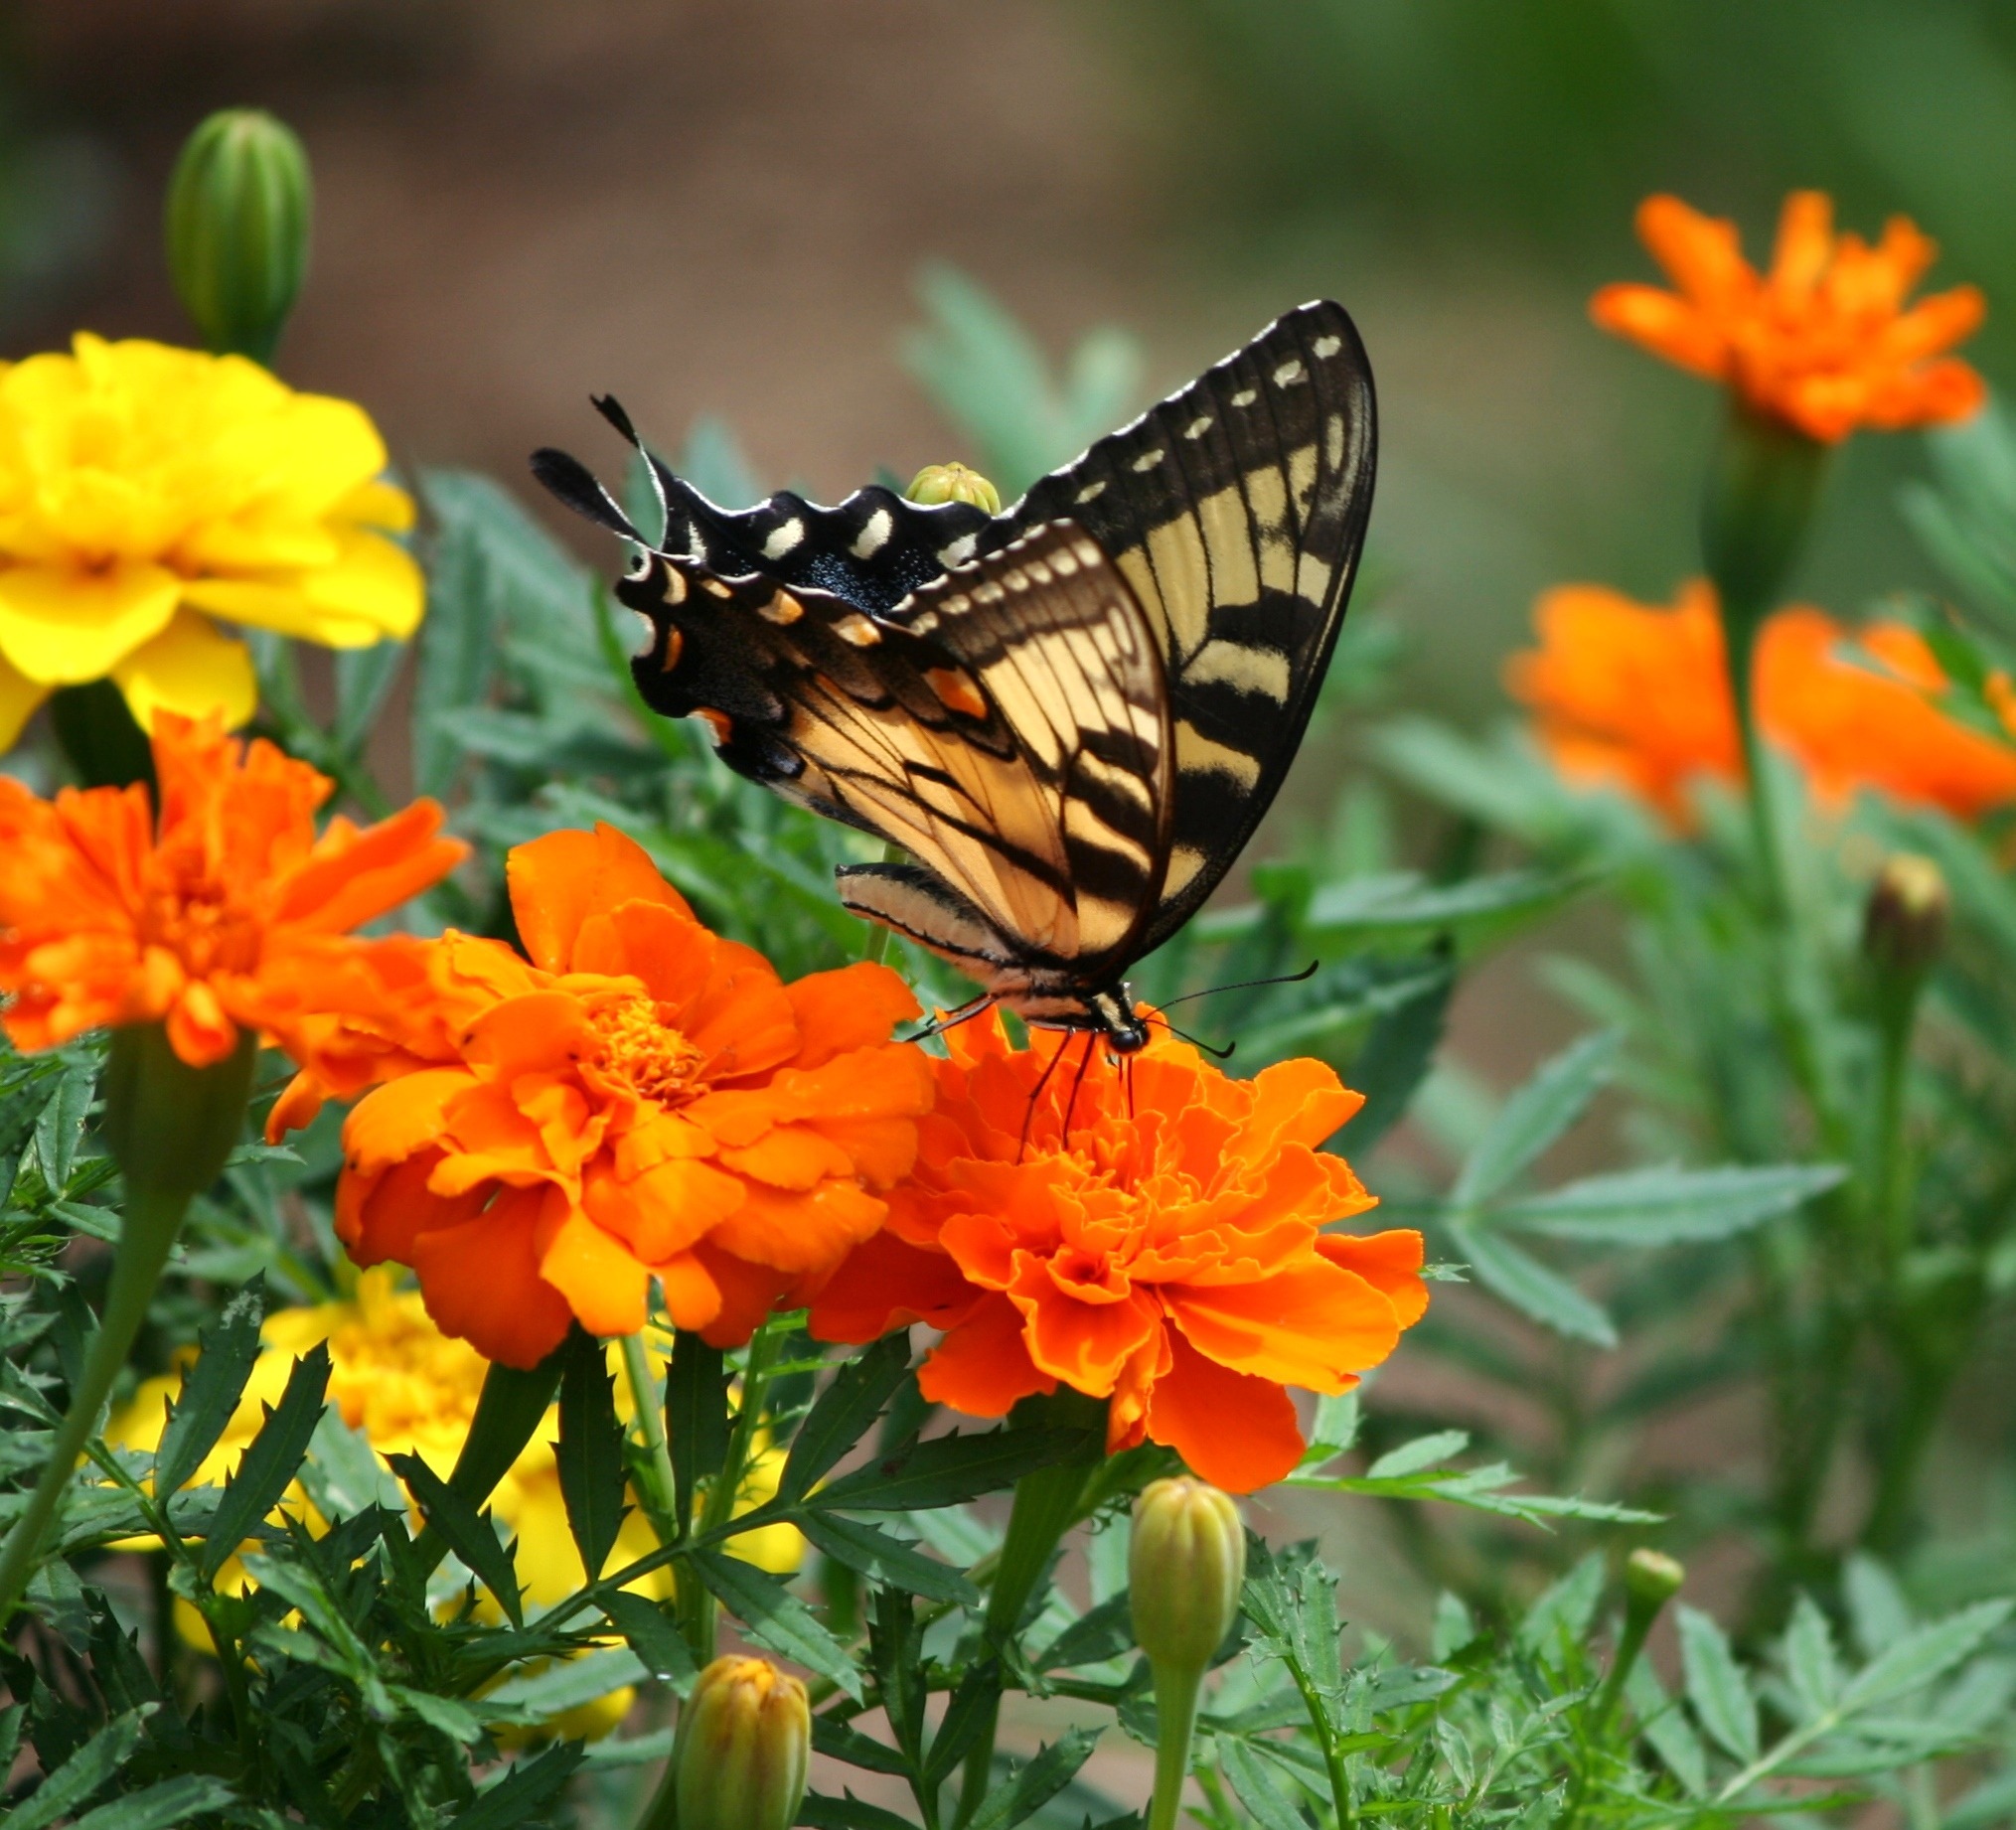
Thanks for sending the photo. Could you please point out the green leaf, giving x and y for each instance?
(1716, 1687)
(508, 1411)
(777, 1619)
(1662, 1724)
(522, 1791)
(166, 1806)
(844, 1413)
(271, 1462)
(1811, 1663)
(225, 1352)
(885, 1559)
(653, 1637)
(1530, 1287)
(1661, 1206)
(341, 1475)
(445, 1715)
(1877, 1609)
(1255, 1787)
(696, 1417)
(1422, 1451)
(1535, 1116)
(824, 1813)
(946, 1469)
(23, 1096)
(1033, 1786)
(841, 1741)
(61, 1122)
(1100, 1633)
(1396, 1057)
(364, 678)
(1912, 1661)
(972, 1709)
(1564, 1610)
(89, 1767)
(589, 1454)
(471, 1535)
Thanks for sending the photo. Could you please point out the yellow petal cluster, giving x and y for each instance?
(406, 1386)
(145, 491)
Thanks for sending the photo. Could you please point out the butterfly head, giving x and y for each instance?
(1114, 1018)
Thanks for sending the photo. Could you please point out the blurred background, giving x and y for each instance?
(713, 207)
(724, 210)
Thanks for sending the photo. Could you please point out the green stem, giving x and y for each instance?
(1742, 630)
(1176, 1716)
(699, 1616)
(1334, 1763)
(152, 1225)
(658, 1485)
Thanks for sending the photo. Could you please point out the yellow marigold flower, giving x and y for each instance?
(406, 1386)
(146, 490)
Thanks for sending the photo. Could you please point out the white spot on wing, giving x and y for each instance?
(1091, 489)
(1246, 396)
(1289, 372)
(855, 627)
(1148, 459)
(1199, 426)
(1327, 347)
(959, 551)
(875, 536)
(783, 538)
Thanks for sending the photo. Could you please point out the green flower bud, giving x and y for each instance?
(936, 483)
(1651, 1579)
(1184, 1569)
(239, 208)
(744, 1738)
(1904, 926)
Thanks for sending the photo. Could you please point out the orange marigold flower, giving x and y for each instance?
(228, 911)
(641, 1099)
(1169, 1255)
(1824, 340)
(1638, 696)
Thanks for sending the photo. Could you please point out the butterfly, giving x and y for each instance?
(1071, 715)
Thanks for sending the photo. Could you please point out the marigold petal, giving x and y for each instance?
(886, 1283)
(61, 624)
(665, 1210)
(1663, 324)
(1702, 254)
(881, 1151)
(791, 1157)
(1312, 1324)
(1293, 1101)
(748, 1293)
(853, 1008)
(19, 698)
(1085, 1344)
(193, 669)
(1804, 246)
(367, 874)
(983, 1366)
(396, 1121)
(798, 1232)
(1390, 1262)
(379, 1215)
(692, 1298)
(482, 1283)
(1235, 1431)
(558, 880)
(199, 1031)
(601, 1279)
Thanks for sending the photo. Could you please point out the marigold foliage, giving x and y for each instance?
(226, 911)
(641, 1099)
(1168, 1254)
(146, 490)
(1824, 340)
(1637, 695)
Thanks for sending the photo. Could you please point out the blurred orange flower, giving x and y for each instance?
(1824, 341)
(642, 1099)
(1167, 1254)
(1639, 695)
(227, 912)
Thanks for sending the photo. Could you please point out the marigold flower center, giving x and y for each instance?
(644, 1052)
(202, 927)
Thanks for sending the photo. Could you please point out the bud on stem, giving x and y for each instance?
(1185, 1567)
(238, 206)
(1650, 1580)
(936, 483)
(739, 1760)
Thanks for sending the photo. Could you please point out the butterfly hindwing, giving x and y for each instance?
(1006, 724)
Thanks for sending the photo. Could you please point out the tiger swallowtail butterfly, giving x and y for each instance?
(1071, 714)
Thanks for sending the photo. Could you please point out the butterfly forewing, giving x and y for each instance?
(1237, 510)
(1006, 724)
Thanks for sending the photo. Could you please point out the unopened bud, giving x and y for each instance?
(936, 483)
(1905, 925)
(1651, 1579)
(1184, 1570)
(744, 1739)
(239, 208)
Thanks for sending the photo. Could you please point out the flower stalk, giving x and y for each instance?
(169, 1126)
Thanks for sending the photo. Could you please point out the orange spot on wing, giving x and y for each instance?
(956, 691)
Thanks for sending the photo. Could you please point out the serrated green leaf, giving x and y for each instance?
(168, 1805)
(272, 1460)
(695, 1416)
(523, 1790)
(1662, 1206)
(1422, 1451)
(61, 1123)
(1033, 1786)
(1530, 1287)
(845, 1412)
(1667, 1730)
(653, 1637)
(1564, 1610)
(822, 1811)
(1396, 1057)
(1254, 1787)
(841, 1741)
(1534, 1117)
(342, 1476)
(777, 1619)
(471, 1535)
(973, 1706)
(225, 1352)
(1912, 1661)
(1877, 1609)
(1721, 1695)
(589, 1454)
(1810, 1665)
(453, 1719)
(946, 1470)
(885, 1559)
(77, 1777)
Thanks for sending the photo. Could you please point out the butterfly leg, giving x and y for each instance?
(1036, 1095)
(1077, 1081)
(951, 1020)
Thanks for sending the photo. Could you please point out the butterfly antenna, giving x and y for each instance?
(1077, 1081)
(611, 409)
(1248, 984)
(1216, 1054)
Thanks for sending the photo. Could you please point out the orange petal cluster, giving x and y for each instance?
(639, 1099)
(228, 911)
(1824, 341)
(1167, 1254)
(1638, 696)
